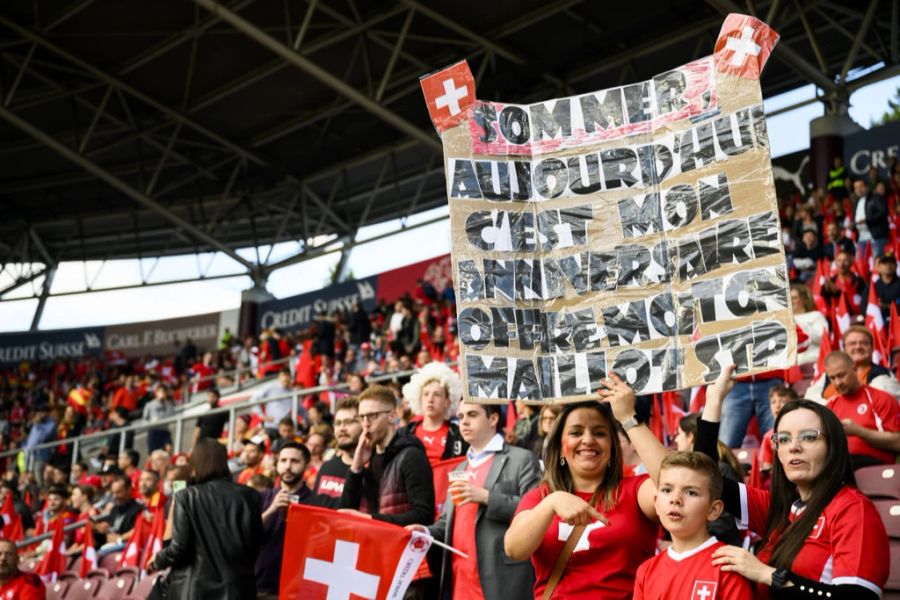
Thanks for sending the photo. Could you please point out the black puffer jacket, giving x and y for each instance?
(216, 533)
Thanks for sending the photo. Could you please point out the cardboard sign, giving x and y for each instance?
(632, 230)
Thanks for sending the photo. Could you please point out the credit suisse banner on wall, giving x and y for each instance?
(632, 230)
(59, 344)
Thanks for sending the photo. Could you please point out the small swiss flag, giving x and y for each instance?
(449, 94)
(744, 46)
(704, 590)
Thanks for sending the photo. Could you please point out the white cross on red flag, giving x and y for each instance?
(743, 46)
(335, 556)
(449, 93)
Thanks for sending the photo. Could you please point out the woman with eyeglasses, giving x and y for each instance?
(584, 496)
(821, 538)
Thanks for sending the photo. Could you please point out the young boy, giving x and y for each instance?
(778, 397)
(687, 498)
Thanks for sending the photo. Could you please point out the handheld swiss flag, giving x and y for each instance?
(157, 530)
(89, 553)
(744, 46)
(449, 94)
(131, 556)
(874, 318)
(841, 319)
(893, 329)
(12, 521)
(334, 556)
(825, 349)
(54, 562)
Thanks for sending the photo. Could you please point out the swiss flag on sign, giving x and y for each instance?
(743, 46)
(449, 94)
(335, 556)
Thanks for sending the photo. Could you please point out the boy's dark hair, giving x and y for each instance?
(780, 390)
(700, 463)
(134, 456)
(287, 421)
(58, 490)
(296, 446)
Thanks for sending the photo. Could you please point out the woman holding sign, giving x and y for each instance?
(587, 528)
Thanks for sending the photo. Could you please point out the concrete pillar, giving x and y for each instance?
(248, 318)
(826, 141)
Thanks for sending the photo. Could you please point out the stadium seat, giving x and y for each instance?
(889, 510)
(83, 589)
(111, 562)
(117, 587)
(142, 588)
(893, 582)
(57, 591)
(75, 565)
(98, 576)
(880, 481)
(70, 576)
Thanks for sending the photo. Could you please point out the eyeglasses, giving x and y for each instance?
(807, 438)
(372, 416)
(347, 422)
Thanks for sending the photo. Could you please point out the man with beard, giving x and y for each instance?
(13, 582)
(330, 481)
(291, 464)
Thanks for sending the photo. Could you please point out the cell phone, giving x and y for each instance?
(178, 485)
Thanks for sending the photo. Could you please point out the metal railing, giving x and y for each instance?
(179, 420)
(191, 386)
(48, 534)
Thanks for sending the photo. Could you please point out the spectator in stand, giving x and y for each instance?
(14, 583)
(118, 417)
(871, 217)
(128, 464)
(810, 320)
(360, 327)
(273, 411)
(631, 462)
(43, 430)
(22, 509)
(319, 414)
(836, 242)
(687, 501)
(859, 345)
(316, 444)
(778, 397)
(149, 488)
(293, 458)
(107, 474)
(356, 383)
(819, 533)
(887, 286)
(723, 527)
(206, 559)
(477, 513)
(396, 322)
(329, 484)
(287, 432)
(805, 221)
(836, 179)
(118, 524)
(845, 282)
(252, 455)
(806, 255)
(410, 336)
(583, 487)
(56, 510)
(870, 417)
(124, 396)
(210, 426)
(548, 417)
(326, 331)
(81, 500)
(269, 354)
(433, 393)
(525, 430)
(203, 373)
(159, 408)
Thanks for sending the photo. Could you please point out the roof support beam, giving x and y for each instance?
(860, 34)
(118, 184)
(321, 74)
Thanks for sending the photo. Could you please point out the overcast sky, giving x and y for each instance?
(787, 133)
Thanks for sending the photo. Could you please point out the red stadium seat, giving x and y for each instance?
(893, 582)
(83, 589)
(143, 587)
(880, 481)
(111, 562)
(889, 510)
(75, 566)
(117, 587)
(57, 591)
(69, 576)
(98, 576)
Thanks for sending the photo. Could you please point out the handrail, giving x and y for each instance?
(186, 387)
(179, 419)
(49, 534)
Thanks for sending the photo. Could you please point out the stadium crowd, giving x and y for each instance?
(543, 500)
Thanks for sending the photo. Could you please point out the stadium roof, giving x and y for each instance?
(141, 129)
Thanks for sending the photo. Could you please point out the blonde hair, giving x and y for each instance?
(433, 372)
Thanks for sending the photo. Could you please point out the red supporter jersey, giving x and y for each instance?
(872, 409)
(690, 575)
(606, 558)
(466, 580)
(848, 544)
(434, 441)
(24, 586)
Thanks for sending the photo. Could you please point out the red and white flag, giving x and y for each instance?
(157, 531)
(449, 93)
(131, 556)
(53, 564)
(335, 556)
(89, 553)
(842, 321)
(825, 349)
(744, 46)
(12, 521)
(874, 318)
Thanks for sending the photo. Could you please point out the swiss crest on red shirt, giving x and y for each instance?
(817, 528)
(744, 46)
(704, 590)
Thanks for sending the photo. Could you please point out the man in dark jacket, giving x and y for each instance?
(360, 327)
(397, 485)
(291, 465)
(871, 217)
